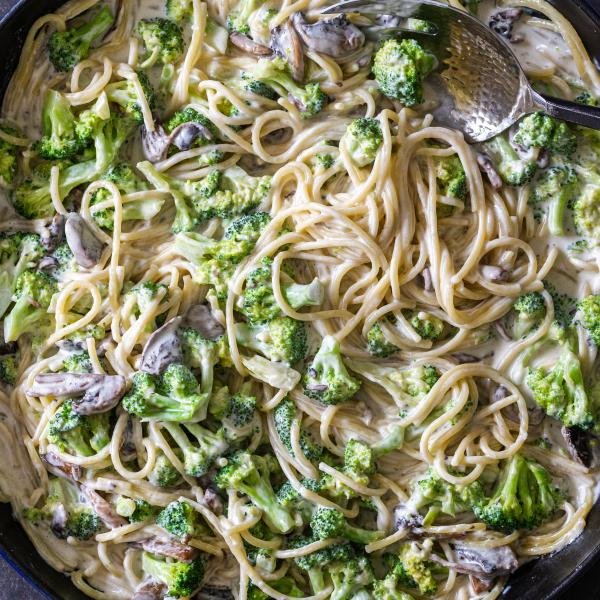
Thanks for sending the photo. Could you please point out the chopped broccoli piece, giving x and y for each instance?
(145, 295)
(410, 568)
(78, 362)
(362, 140)
(8, 156)
(451, 177)
(589, 310)
(427, 325)
(586, 214)
(285, 585)
(237, 19)
(180, 578)
(135, 510)
(179, 10)
(330, 523)
(164, 474)
(543, 131)
(284, 416)
(191, 115)
(250, 475)
(400, 67)
(9, 368)
(181, 520)
(259, 88)
(125, 95)
(564, 306)
(377, 343)
(327, 379)
(163, 40)
(513, 169)
(523, 499)
(173, 396)
(202, 353)
(529, 311)
(236, 414)
(69, 47)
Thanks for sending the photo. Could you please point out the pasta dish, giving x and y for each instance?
(269, 330)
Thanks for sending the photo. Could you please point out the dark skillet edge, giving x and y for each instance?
(544, 579)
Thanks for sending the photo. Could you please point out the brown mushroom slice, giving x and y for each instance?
(169, 548)
(335, 36)
(486, 166)
(210, 592)
(62, 468)
(286, 42)
(93, 393)
(86, 247)
(163, 348)
(201, 318)
(243, 42)
(495, 274)
(150, 590)
(480, 585)
(406, 517)
(103, 509)
(59, 522)
(212, 501)
(483, 563)
(578, 445)
(184, 136)
(155, 144)
(54, 234)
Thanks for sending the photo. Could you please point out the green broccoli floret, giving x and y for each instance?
(283, 339)
(163, 40)
(173, 396)
(362, 140)
(200, 447)
(410, 568)
(144, 295)
(400, 67)
(77, 434)
(9, 368)
(451, 177)
(90, 120)
(427, 325)
(18, 252)
(236, 414)
(513, 169)
(181, 520)
(331, 523)
(254, 86)
(586, 214)
(285, 585)
(564, 306)
(237, 19)
(250, 475)
(33, 294)
(69, 47)
(127, 182)
(309, 100)
(9, 155)
(589, 311)
(124, 94)
(529, 311)
(327, 379)
(284, 416)
(407, 386)
(324, 160)
(135, 510)
(523, 499)
(202, 353)
(179, 10)
(180, 578)
(78, 362)
(164, 474)
(258, 302)
(377, 343)
(543, 131)
(32, 198)
(65, 512)
(191, 115)
(557, 187)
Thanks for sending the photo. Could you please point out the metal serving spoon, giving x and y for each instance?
(484, 88)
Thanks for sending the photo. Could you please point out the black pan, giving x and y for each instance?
(539, 580)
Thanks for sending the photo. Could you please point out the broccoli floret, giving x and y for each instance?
(564, 306)
(77, 434)
(181, 521)
(586, 214)
(200, 446)
(589, 311)
(202, 353)
(362, 140)
(237, 19)
(283, 339)
(124, 94)
(557, 186)
(543, 131)
(163, 40)
(400, 67)
(69, 47)
(331, 523)
(9, 368)
(523, 499)
(529, 311)
(145, 295)
(135, 510)
(236, 414)
(427, 325)
(377, 343)
(250, 475)
(513, 169)
(285, 585)
(258, 87)
(181, 578)
(407, 386)
(164, 474)
(327, 379)
(33, 294)
(451, 177)
(410, 568)
(191, 115)
(284, 416)
(324, 160)
(309, 100)
(179, 10)
(65, 512)
(8, 156)
(32, 198)
(173, 396)
(78, 362)
(258, 302)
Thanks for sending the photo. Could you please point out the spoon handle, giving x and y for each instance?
(573, 112)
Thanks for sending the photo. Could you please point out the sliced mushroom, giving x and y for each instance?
(184, 136)
(495, 274)
(243, 42)
(47, 264)
(170, 548)
(128, 449)
(210, 592)
(200, 318)
(286, 42)
(543, 158)
(578, 445)
(491, 562)
(279, 136)
(54, 234)
(86, 247)
(406, 517)
(503, 22)
(102, 508)
(155, 144)
(93, 393)
(487, 167)
(163, 348)
(62, 468)
(464, 358)
(58, 523)
(212, 501)
(480, 585)
(427, 280)
(150, 590)
(335, 36)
